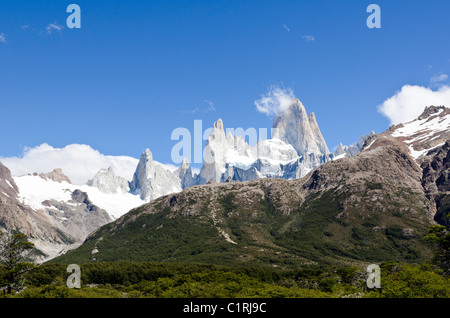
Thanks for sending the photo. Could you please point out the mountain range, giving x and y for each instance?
(374, 206)
(287, 199)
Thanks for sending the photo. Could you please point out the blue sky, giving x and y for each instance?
(136, 70)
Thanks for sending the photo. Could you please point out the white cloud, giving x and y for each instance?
(2, 37)
(79, 162)
(196, 110)
(191, 111)
(211, 107)
(53, 26)
(286, 27)
(438, 78)
(309, 38)
(408, 103)
(275, 101)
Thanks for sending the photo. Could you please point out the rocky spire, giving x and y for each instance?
(214, 155)
(144, 171)
(299, 129)
(151, 180)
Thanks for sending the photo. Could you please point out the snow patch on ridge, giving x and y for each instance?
(33, 190)
(435, 125)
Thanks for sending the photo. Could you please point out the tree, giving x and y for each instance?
(14, 251)
(441, 237)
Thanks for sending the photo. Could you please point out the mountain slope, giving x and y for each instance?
(371, 207)
(328, 216)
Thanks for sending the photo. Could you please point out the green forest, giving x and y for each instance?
(166, 280)
(189, 280)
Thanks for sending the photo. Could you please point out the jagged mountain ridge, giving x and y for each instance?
(230, 157)
(296, 148)
(372, 207)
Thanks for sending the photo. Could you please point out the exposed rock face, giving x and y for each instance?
(300, 130)
(436, 171)
(56, 175)
(151, 180)
(79, 217)
(108, 182)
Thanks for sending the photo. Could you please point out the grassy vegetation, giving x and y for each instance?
(155, 237)
(323, 230)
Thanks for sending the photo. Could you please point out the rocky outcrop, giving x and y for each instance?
(56, 175)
